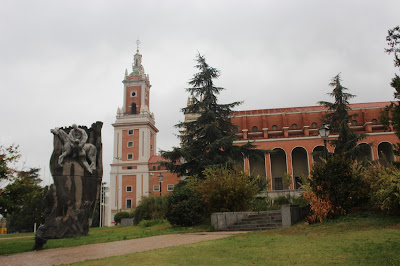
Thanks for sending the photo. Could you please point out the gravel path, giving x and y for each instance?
(102, 250)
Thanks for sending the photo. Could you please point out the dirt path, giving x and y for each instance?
(102, 250)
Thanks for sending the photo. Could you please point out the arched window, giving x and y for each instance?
(154, 167)
(235, 130)
(158, 167)
(385, 152)
(354, 122)
(133, 108)
(374, 121)
(294, 126)
(299, 165)
(314, 125)
(278, 168)
(274, 127)
(254, 129)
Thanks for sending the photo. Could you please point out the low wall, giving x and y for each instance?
(278, 193)
(221, 220)
(292, 214)
(126, 222)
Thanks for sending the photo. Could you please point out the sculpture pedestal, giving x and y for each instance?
(72, 199)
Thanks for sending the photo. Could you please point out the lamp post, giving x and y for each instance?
(160, 179)
(324, 133)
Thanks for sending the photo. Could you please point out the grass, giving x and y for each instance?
(97, 235)
(363, 238)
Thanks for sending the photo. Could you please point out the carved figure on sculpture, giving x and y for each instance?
(74, 144)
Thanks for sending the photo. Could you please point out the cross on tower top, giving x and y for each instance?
(137, 45)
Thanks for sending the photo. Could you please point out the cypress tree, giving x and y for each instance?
(207, 142)
(338, 118)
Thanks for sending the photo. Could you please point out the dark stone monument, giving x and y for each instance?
(77, 169)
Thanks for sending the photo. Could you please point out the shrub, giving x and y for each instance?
(228, 189)
(384, 186)
(281, 200)
(120, 215)
(185, 206)
(338, 181)
(261, 204)
(321, 207)
(150, 208)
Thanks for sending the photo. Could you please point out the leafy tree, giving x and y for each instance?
(391, 114)
(228, 189)
(8, 155)
(22, 201)
(185, 206)
(208, 140)
(338, 118)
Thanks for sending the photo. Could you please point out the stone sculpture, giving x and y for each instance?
(77, 170)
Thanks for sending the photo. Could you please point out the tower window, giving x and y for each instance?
(130, 144)
(128, 188)
(151, 146)
(133, 94)
(130, 156)
(129, 167)
(130, 132)
(254, 129)
(133, 108)
(128, 203)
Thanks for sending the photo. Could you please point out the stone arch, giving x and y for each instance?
(385, 152)
(365, 153)
(258, 168)
(318, 153)
(278, 168)
(299, 165)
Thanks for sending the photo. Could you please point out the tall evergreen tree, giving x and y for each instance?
(338, 118)
(207, 141)
(391, 114)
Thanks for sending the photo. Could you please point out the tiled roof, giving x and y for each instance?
(308, 108)
(156, 159)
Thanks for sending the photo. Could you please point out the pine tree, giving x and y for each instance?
(207, 142)
(338, 118)
(391, 114)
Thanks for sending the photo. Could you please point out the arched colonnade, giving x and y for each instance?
(285, 168)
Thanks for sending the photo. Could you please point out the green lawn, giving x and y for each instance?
(96, 235)
(355, 239)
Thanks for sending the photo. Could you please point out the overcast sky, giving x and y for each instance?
(62, 62)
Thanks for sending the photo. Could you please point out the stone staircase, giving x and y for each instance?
(258, 221)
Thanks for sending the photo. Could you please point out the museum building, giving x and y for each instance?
(292, 133)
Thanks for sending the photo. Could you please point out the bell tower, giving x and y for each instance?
(136, 87)
(134, 140)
